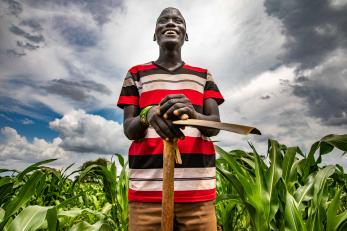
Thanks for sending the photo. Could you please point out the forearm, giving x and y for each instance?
(208, 131)
(134, 129)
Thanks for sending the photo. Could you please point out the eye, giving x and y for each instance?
(162, 20)
(178, 20)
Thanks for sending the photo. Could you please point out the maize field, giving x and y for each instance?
(284, 189)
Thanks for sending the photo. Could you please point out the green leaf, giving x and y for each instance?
(24, 195)
(334, 220)
(31, 218)
(292, 216)
(338, 141)
(84, 226)
(2, 214)
(120, 159)
(33, 167)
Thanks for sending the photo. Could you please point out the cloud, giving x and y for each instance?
(16, 147)
(85, 133)
(314, 29)
(316, 44)
(27, 121)
(79, 91)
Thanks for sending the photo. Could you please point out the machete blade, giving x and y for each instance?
(236, 128)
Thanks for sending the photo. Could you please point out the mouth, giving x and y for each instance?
(170, 32)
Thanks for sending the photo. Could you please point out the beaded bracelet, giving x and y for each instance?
(143, 115)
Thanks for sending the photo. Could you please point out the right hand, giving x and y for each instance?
(163, 127)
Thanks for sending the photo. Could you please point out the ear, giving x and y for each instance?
(186, 37)
(154, 38)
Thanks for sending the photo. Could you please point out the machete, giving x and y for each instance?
(236, 128)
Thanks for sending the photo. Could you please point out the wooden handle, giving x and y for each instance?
(168, 185)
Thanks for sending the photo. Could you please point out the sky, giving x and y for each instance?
(280, 65)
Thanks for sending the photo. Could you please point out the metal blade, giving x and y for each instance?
(236, 128)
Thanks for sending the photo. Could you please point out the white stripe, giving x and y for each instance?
(178, 185)
(173, 77)
(179, 173)
(171, 86)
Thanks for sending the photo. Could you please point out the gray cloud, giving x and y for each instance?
(75, 32)
(314, 29)
(327, 103)
(100, 10)
(14, 7)
(316, 32)
(31, 37)
(79, 91)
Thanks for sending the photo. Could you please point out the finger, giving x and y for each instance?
(183, 113)
(170, 112)
(177, 103)
(184, 117)
(169, 97)
(164, 128)
(175, 130)
(158, 130)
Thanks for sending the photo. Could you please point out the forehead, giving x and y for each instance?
(170, 12)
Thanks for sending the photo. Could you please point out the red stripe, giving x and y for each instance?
(138, 68)
(179, 196)
(155, 96)
(215, 95)
(123, 100)
(154, 146)
(198, 69)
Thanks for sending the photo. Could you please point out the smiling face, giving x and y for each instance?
(170, 30)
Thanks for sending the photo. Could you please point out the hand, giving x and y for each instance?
(175, 106)
(163, 127)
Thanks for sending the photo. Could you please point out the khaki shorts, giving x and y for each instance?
(187, 216)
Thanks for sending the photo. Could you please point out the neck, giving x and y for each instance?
(169, 58)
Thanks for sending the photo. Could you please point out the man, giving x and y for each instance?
(154, 94)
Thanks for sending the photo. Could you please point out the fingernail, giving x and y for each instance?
(175, 112)
(167, 139)
(158, 112)
(165, 116)
(184, 117)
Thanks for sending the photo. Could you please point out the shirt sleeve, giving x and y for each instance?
(211, 90)
(129, 94)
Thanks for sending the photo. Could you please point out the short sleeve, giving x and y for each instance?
(211, 90)
(129, 94)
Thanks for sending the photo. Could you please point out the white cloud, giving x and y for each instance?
(17, 147)
(85, 133)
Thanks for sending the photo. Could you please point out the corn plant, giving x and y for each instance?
(290, 193)
(43, 198)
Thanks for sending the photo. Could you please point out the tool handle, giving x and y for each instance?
(168, 185)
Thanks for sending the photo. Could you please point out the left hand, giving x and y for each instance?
(175, 105)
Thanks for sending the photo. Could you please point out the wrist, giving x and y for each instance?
(144, 115)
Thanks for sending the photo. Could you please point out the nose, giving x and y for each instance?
(170, 23)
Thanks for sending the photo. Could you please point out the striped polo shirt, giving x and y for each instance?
(195, 178)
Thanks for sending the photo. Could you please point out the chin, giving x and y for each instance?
(171, 44)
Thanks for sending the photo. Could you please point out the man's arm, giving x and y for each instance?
(134, 129)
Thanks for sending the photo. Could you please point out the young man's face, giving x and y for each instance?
(170, 29)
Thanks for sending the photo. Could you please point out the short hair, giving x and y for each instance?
(169, 9)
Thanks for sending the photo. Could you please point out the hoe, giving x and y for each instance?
(171, 155)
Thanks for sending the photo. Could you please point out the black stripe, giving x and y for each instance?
(129, 91)
(144, 73)
(172, 81)
(211, 86)
(156, 161)
(176, 179)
